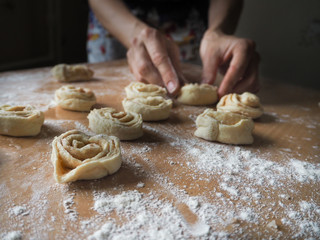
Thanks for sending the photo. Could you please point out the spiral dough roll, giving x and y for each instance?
(20, 121)
(68, 73)
(151, 108)
(195, 94)
(224, 127)
(247, 104)
(76, 156)
(75, 98)
(139, 89)
(124, 125)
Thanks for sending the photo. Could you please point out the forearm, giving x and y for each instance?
(117, 19)
(224, 15)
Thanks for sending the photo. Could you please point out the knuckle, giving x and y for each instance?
(134, 41)
(149, 32)
(159, 58)
(246, 45)
(144, 69)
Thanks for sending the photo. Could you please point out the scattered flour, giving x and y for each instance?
(14, 235)
(67, 204)
(20, 210)
(246, 183)
(146, 216)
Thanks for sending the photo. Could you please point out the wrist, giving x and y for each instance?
(215, 31)
(138, 27)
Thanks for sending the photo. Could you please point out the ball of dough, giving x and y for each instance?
(124, 125)
(139, 89)
(246, 104)
(76, 156)
(224, 127)
(75, 98)
(151, 108)
(68, 73)
(195, 94)
(20, 121)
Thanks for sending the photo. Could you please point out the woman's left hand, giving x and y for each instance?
(235, 57)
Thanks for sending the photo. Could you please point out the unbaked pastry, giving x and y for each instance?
(75, 98)
(139, 89)
(124, 125)
(77, 156)
(69, 73)
(151, 108)
(224, 127)
(247, 104)
(195, 94)
(20, 121)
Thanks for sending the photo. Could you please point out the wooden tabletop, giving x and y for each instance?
(171, 185)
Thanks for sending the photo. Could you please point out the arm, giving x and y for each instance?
(224, 15)
(115, 17)
(151, 56)
(236, 57)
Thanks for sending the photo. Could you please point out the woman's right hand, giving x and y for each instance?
(153, 58)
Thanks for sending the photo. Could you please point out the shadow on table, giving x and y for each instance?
(261, 141)
(126, 177)
(266, 118)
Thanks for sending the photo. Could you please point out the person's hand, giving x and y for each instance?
(153, 58)
(235, 57)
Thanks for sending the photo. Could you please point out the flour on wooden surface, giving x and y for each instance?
(247, 183)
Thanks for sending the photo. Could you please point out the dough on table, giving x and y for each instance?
(77, 156)
(20, 121)
(247, 104)
(195, 94)
(224, 127)
(75, 98)
(151, 108)
(139, 89)
(124, 125)
(69, 73)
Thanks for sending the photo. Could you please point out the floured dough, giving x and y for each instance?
(151, 108)
(75, 98)
(224, 127)
(139, 89)
(69, 73)
(124, 125)
(247, 104)
(20, 121)
(195, 94)
(76, 156)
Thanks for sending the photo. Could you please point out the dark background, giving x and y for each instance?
(36, 33)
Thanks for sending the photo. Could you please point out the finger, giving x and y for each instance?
(250, 82)
(142, 66)
(236, 70)
(161, 60)
(210, 68)
(174, 55)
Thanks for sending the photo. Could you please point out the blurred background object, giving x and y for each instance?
(37, 33)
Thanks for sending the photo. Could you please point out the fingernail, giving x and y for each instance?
(171, 87)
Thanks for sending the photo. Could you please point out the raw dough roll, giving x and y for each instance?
(20, 121)
(247, 104)
(76, 156)
(224, 127)
(75, 98)
(151, 108)
(195, 94)
(139, 89)
(68, 73)
(124, 125)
